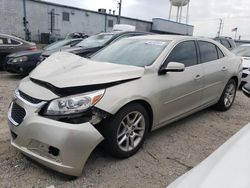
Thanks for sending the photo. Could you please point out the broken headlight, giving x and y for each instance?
(74, 104)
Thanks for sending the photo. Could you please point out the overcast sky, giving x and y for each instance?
(204, 15)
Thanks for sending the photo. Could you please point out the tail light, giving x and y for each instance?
(32, 48)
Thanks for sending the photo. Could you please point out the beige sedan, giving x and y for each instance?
(69, 104)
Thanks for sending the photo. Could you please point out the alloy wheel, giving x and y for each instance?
(229, 95)
(131, 130)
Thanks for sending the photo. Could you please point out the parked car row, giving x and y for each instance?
(24, 62)
(69, 104)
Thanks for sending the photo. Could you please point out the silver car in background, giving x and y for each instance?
(69, 104)
(243, 51)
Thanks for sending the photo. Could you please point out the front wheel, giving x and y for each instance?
(227, 97)
(126, 131)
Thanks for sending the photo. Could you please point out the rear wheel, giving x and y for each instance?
(227, 97)
(126, 132)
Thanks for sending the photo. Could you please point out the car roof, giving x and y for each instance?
(223, 38)
(172, 37)
(245, 45)
(115, 33)
(13, 37)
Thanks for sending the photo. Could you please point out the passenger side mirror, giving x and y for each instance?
(172, 67)
(246, 89)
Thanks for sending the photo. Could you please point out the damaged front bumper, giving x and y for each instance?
(61, 146)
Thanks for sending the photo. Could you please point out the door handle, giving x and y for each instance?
(197, 77)
(224, 68)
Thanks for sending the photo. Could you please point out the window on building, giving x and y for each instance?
(110, 23)
(65, 16)
(208, 51)
(185, 53)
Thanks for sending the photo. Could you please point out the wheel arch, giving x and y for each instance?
(235, 78)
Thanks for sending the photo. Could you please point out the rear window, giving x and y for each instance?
(57, 44)
(95, 40)
(226, 43)
(208, 51)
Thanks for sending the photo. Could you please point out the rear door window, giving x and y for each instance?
(4, 41)
(14, 42)
(208, 51)
(8, 41)
(184, 52)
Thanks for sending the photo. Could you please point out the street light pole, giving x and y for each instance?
(120, 10)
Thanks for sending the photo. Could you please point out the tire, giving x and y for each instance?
(119, 130)
(227, 97)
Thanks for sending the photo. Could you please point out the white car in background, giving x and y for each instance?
(244, 52)
(227, 167)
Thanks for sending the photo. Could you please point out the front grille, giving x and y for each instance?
(17, 113)
(29, 98)
(244, 75)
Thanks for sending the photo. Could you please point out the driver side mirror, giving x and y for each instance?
(246, 89)
(172, 67)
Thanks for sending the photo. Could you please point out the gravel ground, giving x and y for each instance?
(167, 153)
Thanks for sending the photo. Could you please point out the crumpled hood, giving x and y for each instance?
(64, 70)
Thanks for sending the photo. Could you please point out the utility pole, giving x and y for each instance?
(120, 10)
(25, 22)
(220, 27)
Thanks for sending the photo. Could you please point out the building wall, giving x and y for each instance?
(11, 17)
(39, 18)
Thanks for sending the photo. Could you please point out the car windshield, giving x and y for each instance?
(96, 40)
(135, 52)
(243, 51)
(57, 44)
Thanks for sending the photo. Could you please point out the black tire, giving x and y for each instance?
(221, 105)
(112, 126)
